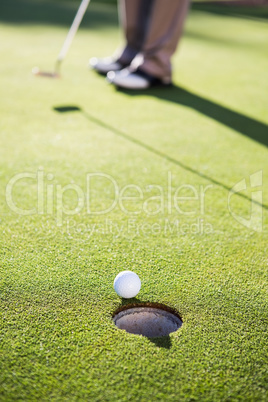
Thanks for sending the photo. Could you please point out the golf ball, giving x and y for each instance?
(127, 284)
(35, 71)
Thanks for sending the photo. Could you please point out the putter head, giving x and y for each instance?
(36, 71)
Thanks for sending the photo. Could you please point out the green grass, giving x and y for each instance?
(58, 340)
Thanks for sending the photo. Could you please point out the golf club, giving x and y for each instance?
(67, 43)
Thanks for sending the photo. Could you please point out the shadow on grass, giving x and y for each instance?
(239, 122)
(62, 12)
(259, 12)
(114, 130)
(48, 12)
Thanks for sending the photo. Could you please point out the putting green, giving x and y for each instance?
(94, 181)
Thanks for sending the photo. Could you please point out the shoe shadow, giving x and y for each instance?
(239, 122)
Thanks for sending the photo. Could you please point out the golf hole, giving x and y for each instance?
(148, 319)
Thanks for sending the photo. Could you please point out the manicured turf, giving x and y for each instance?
(58, 340)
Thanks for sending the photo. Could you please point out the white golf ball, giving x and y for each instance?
(35, 71)
(127, 284)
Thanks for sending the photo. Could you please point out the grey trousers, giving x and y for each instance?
(152, 30)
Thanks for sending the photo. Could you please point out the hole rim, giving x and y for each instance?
(157, 306)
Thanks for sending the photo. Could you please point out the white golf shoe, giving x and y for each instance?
(104, 65)
(136, 79)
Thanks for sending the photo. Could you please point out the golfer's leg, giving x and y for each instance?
(133, 15)
(164, 32)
